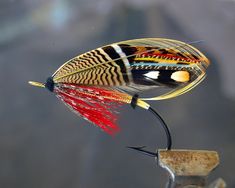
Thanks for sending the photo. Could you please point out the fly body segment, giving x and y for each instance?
(96, 83)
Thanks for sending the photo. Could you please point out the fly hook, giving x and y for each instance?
(163, 124)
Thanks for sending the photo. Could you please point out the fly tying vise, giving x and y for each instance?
(96, 83)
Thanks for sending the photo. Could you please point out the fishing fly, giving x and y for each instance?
(96, 83)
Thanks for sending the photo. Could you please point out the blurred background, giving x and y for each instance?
(44, 145)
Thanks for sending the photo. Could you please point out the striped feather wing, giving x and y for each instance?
(136, 66)
(101, 66)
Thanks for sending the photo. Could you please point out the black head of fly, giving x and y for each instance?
(49, 84)
(163, 124)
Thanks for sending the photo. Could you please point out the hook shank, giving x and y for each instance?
(168, 136)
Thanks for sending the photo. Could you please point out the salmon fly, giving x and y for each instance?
(96, 83)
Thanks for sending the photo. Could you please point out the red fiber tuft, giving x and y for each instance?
(92, 103)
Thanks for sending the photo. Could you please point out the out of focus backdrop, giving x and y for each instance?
(44, 145)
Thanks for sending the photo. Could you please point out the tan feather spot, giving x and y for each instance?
(181, 76)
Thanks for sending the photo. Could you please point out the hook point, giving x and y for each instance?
(142, 150)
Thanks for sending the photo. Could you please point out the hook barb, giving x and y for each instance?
(145, 152)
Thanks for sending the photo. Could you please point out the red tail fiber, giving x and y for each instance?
(95, 104)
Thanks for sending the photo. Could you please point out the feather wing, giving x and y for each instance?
(126, 66)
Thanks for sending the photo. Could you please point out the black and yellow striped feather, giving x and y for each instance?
(125, 64)
(135, 66)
